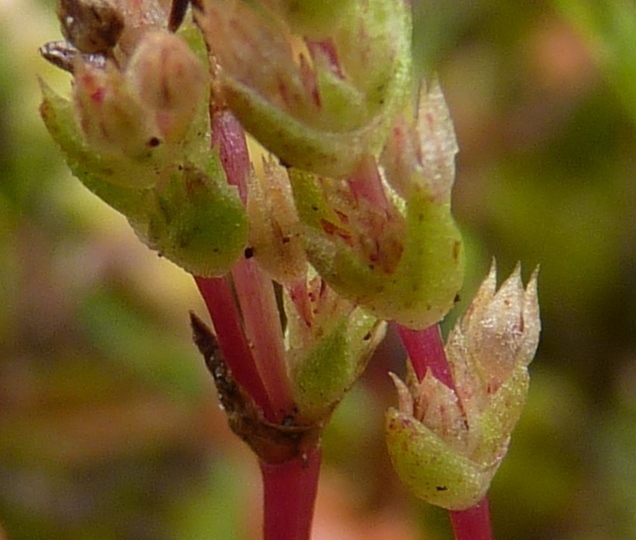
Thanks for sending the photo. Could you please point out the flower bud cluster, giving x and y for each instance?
(384, 237)
(329, 343)
(326, 87)
(317, 83)
(136, 133)
(446, 444)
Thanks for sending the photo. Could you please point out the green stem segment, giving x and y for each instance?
(425, 350)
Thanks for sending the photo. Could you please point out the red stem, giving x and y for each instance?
(262, 326)
(289, 494)
(253, 348)
(255, 295)
(472, 524)
(218, 297)
(426, 351)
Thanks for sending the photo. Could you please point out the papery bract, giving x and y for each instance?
(274, 235)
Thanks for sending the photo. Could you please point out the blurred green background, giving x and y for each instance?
(109, 426)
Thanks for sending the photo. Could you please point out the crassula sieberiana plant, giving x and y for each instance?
(304, 252)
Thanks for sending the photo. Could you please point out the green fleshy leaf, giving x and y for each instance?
(199, 221)
(330, 153)
(186, 211)
(419, 290)
(500, 417)
(93, 170)
(431, 469)
(323, 374)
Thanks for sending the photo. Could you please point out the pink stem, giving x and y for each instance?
(263, 330)
(426, 351)
(258, 364)
(218, 297)
(289, 494)
(472, 524)
(255, 294)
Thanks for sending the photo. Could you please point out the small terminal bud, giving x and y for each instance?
(168, 79)
(500, 329)
(110, 115)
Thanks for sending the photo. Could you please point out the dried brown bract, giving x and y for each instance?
(91, 26)
(273, 443)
